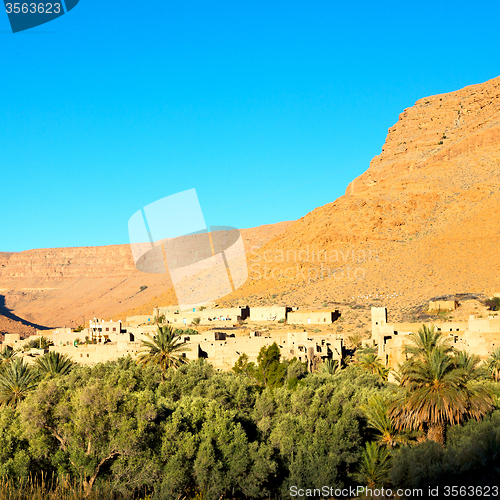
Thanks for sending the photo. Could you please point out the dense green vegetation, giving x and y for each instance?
(167, 429)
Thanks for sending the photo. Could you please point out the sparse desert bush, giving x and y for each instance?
(38, 343)
(493, 304)
(354, 340)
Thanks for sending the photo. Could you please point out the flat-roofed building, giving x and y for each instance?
(312, 317)
(269, 313)
(442, 305)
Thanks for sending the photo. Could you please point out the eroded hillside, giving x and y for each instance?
(421, 221)
(67, 286)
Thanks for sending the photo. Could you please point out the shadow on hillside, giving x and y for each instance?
(5, 311)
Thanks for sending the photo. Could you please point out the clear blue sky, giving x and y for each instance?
(268, 108)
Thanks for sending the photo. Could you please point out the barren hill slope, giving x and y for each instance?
(67, 286)
(422, 221)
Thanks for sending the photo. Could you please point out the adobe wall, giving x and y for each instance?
(311, 317)
(442, 305)
(141, 319)
(392, 353)
(225, 353)
(218, 348)
(11, 339)
(477, 336)
(271, 313)
(62, 336)
(207, 316)
(94, 353)
(480, 325)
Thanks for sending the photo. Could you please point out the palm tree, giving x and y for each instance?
(372, 363)
(425, 341)
(493, 364)
(470, 364)
(377, 415)
(437, 394)
(7, 354)
(330, 367)
(163, 349)
(17, 379)
(54, 363)
(375, 466)
(421, 345)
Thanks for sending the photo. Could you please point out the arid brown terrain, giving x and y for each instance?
(421, 222)
(67, 286)
(427, 207)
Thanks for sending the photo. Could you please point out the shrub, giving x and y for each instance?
(493, 304)
(39, 343)
(187, 331)
(471, 457)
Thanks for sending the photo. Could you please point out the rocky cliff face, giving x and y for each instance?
(460, 129)
(69, 263)
(421, 221)
(66, 286)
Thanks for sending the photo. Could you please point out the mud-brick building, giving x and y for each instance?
(479, 336)
(269, 313)
(442, 305)
(312, 317)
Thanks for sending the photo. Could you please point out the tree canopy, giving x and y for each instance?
(165, 430)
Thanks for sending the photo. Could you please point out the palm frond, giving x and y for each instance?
(54, 363)
(164, 349)
(17, 379)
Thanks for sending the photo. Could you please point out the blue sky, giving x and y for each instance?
(268, 109)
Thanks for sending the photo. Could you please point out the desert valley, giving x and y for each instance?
(360, 359)
(419, 224)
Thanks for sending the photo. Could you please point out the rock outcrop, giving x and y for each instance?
(67, 286)
(421, 221)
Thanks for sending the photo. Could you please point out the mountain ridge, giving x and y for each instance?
(421, 221)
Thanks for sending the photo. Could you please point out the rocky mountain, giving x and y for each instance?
(67, 286)
(421, 222)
